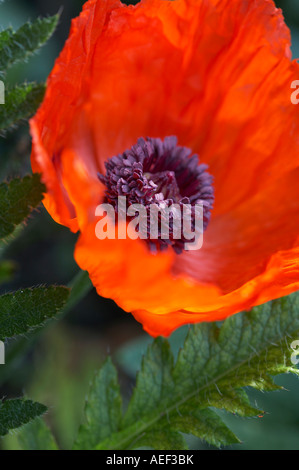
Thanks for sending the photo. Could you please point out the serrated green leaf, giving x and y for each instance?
(157, 365)
(16, 413)
(211, 370)
(21, 102)
(161, 439)
(18, 46)
(36, 436)
(24, 310)
(17, 199)
(235, 401)
(205, 424)
(79, 288)
(103, 410)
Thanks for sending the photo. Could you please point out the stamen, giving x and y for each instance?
(160, 173)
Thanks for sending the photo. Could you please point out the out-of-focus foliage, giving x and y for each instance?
(290, 10)
(37, 436)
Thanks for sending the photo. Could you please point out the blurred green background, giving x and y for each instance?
(57, 368)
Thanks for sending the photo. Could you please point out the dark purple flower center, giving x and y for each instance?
(160, 173)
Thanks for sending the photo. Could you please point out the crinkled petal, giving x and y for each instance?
(217, 74)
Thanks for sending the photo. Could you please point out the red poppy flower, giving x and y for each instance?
(217, 75)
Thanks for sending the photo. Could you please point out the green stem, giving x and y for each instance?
(80, 286)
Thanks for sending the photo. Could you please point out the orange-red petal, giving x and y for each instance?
(217, 74)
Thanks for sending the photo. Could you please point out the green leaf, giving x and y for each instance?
(235, 401)
(103, 410)
(20, 103)
(18, 46)
(24, 310)
(16, 413)
(157, 365)
(161, 439)
(17, 199)
(211, 371)
(79, 288)
(36, 436)
(205, 424)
